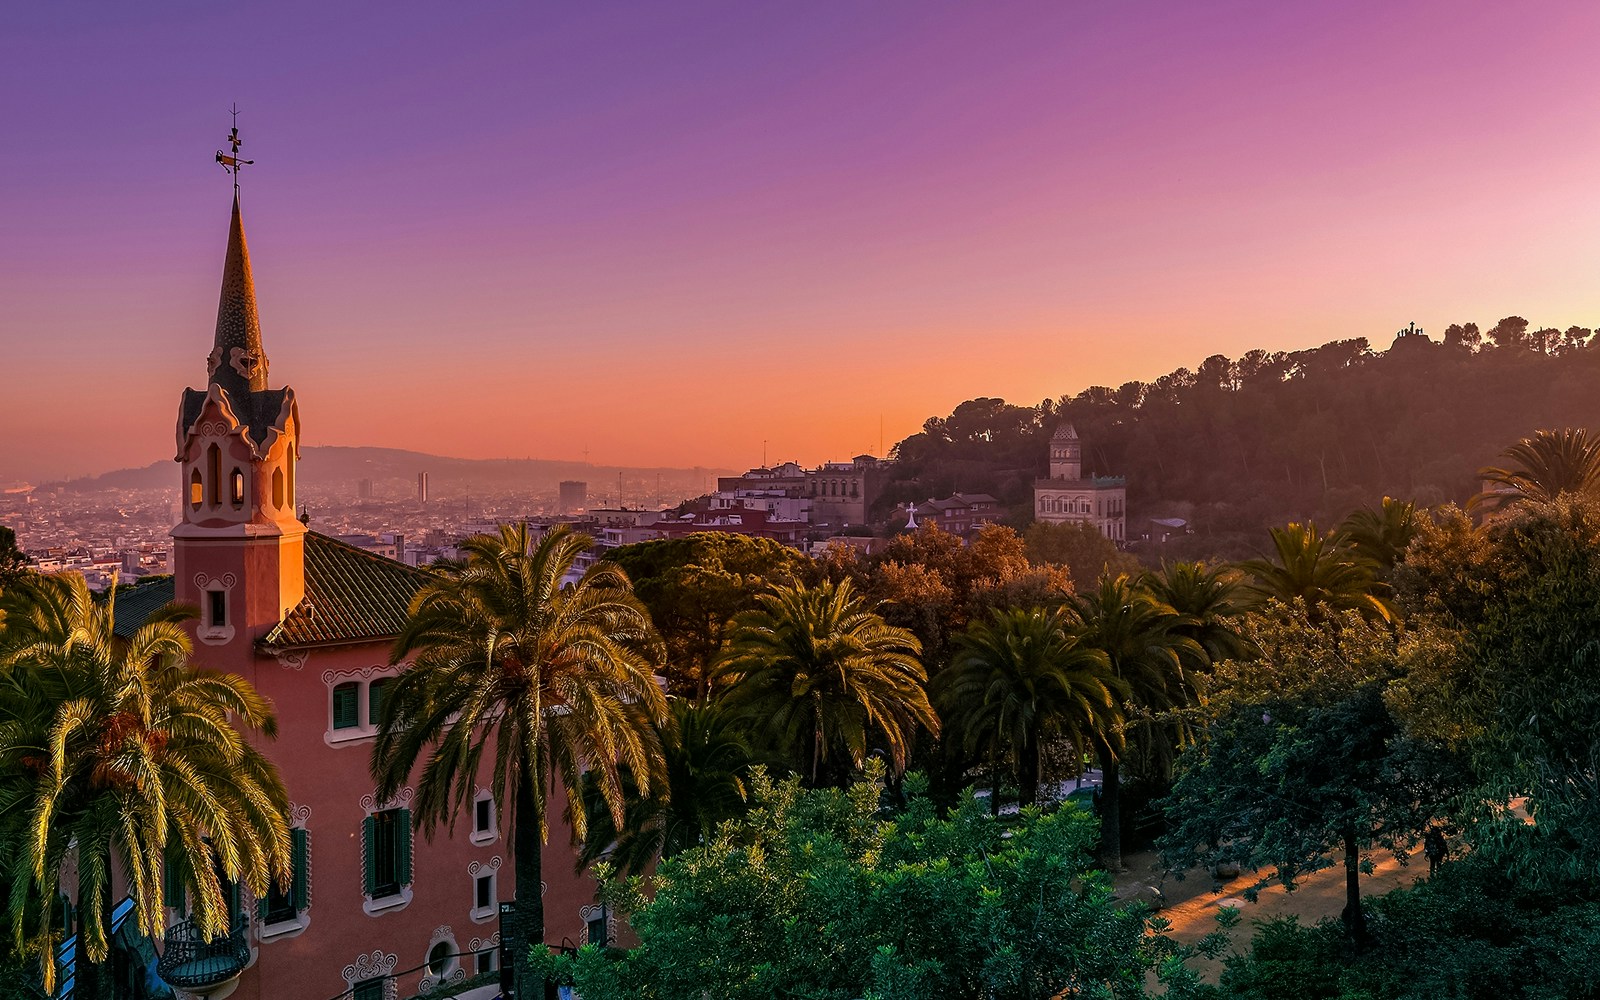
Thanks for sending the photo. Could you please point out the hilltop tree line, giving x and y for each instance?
(1235, 445)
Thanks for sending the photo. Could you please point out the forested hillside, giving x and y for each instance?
(1237, 445)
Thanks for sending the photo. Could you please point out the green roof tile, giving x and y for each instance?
(352, 595)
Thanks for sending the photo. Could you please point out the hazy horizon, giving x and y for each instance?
(673, 236)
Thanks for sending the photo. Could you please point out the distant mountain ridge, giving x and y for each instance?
(329, 466)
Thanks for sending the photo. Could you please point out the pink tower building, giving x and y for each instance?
(375, 912)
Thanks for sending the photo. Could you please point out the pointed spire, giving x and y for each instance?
(238, 363)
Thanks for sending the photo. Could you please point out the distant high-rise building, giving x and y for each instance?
(422, 487)
(364, 489)
(574, 496)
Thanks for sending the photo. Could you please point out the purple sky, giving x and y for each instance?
(668, 232)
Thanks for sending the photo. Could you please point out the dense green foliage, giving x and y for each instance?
(1302, 758)
(815, 895)
(695, 585)
(1470, 933)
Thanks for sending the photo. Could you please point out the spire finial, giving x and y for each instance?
(232, 163)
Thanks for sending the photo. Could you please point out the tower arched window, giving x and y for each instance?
(197, 489)
(214, 474)
(277, 488)
(236, 488)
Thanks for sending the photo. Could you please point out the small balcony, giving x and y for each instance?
(196, 965)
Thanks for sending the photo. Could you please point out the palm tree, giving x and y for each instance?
(550, 681)
(706, 759)
(1143, 640)
(1021, 679)
(1544, 466)
(822, 671)
(1313, 568)
(128, 755)
(1212, 598)
(1381, 535)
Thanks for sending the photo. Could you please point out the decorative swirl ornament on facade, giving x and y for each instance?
(365, 967)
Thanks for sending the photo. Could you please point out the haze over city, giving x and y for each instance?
(676, 234)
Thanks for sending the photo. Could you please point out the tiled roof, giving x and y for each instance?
(351, 595)
(134, 604)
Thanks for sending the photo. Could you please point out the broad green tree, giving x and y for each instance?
(813, 894)
(1080, 547)
(1302, 758)
(820, 669)
(1021, 680)
(1153, 660)
(534, 682)
(127, 754)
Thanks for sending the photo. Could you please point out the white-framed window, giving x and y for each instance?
(484, 879)
(387, 840)
(282, 913)
(355, 703)
(483, 896)
(485, 819)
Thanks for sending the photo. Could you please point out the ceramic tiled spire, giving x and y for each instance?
(238, 363)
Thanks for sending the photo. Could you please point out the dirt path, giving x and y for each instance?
(1192, 904)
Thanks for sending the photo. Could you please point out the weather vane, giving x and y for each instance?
(231, 162)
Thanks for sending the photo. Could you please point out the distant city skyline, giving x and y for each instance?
(686, 234)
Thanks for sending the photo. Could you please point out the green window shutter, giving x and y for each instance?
(375, 694)
(402, 833)
(300, 852)
(171, 880)
(346, 700)
(261, 907)
(369, 852)
(235, 906)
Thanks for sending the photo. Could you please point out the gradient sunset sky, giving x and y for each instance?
(667, 232)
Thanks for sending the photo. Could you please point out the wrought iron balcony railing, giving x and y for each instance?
(190, 962)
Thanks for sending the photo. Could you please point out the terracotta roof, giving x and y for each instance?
(134, 604)
(1065, 432)
(351, 596)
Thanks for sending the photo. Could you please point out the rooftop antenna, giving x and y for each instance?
(232, 163)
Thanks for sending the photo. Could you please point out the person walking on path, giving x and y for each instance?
(1434, 846)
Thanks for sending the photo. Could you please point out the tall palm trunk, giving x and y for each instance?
(1028, 781)
(529, 847)
(994, 774)
(1111, 814)
(1355, 921)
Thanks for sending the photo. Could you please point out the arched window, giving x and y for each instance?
(290, 461)
(214, 474)
(236, 488)
(277, 488)
(197, 490)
